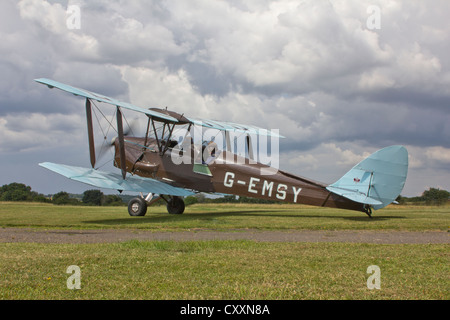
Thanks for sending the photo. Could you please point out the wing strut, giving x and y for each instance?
(123, 164)
(90, 132)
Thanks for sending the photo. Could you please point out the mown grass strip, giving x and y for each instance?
(225, 217)
(224, 270)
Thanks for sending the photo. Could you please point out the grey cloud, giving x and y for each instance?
(311, 69)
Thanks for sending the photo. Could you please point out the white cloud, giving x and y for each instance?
(345, 157)
(161, 88)
(51, 17)
(306, 162)
(439, 154)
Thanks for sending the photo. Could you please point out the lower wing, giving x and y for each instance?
(114, 181)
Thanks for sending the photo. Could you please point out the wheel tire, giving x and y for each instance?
(137, 207)
(175, 205)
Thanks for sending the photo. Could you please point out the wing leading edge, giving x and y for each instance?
(101, 98)
(161, 115)
(114, 181)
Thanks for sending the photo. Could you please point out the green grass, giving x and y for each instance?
(225, 217)
(224, 270)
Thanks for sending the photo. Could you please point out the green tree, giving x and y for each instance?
(112, 200)
(63, 198)
(190, 200)
(435, 196)
(15, 192)
(93, 197)
(401, 200)
(230, 198)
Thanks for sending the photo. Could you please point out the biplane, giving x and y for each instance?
(158, 165)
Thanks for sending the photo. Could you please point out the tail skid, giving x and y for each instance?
(376, 181)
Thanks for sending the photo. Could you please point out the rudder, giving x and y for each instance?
(376, 181)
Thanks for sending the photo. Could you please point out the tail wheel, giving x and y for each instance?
(137, 207)
(368, 210)
(175, 205)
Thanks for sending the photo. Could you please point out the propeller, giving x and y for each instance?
(131, 130)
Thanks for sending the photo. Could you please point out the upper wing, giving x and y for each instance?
(101, 98)
(231, 126)
(162, 115)
(114, 181)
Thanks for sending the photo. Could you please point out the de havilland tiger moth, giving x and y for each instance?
(157, 165)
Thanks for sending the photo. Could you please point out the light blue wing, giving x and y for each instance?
(114, 181)
(101, 98)
(219, 125)
(235, 127)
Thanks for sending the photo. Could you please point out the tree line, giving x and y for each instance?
(18, 192)
(432, 196)
(90, 198)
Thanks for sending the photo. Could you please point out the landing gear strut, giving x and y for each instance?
(368, 210)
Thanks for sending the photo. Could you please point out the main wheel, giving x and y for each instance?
(137, 207)
(175, 205)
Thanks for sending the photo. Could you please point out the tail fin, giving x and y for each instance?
(376, 181)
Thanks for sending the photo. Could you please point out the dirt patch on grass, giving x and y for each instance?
(11, 235)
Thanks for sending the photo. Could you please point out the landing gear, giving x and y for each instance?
(175, 205)
(137, 207)
(368, 210)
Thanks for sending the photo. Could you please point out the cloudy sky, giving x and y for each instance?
(340, 79)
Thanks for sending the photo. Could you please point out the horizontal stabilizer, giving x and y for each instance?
(115, 181)
(376, 181)
(355, 196)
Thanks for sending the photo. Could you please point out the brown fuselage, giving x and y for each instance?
(227, 174)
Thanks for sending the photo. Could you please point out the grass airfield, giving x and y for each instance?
(224, 270)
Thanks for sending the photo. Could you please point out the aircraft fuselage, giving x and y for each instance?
(227, 173)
